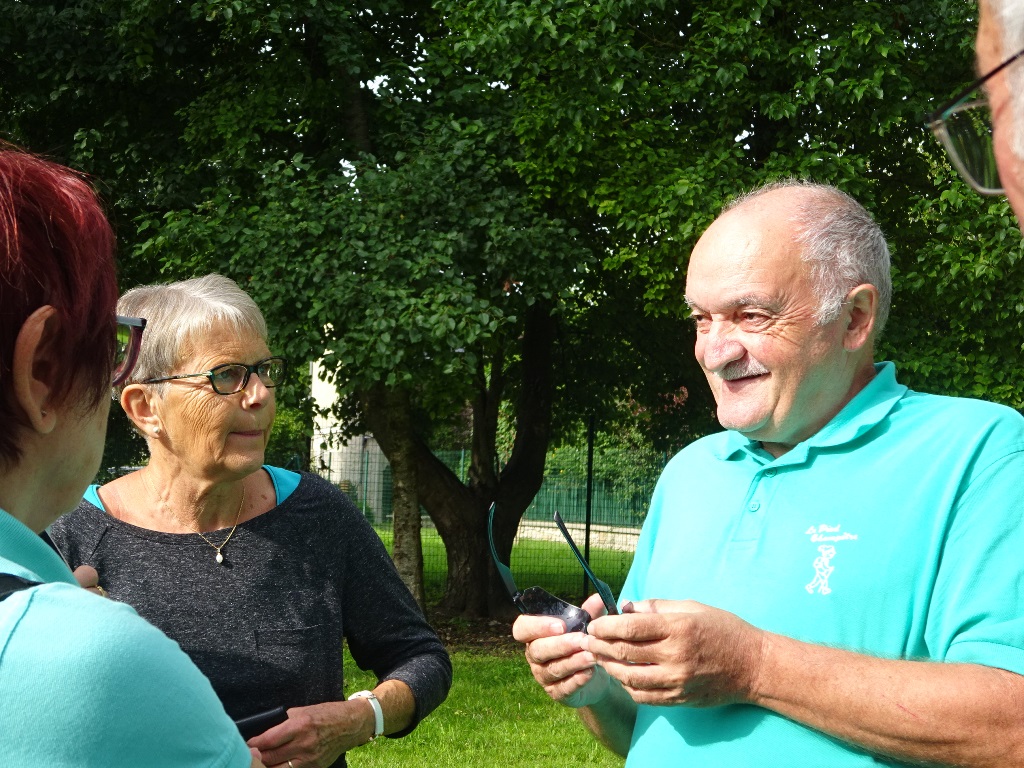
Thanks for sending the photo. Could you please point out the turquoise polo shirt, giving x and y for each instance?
(87, 682)
(895, 531)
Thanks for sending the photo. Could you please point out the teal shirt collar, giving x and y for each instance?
(867, 408)
(23, 553)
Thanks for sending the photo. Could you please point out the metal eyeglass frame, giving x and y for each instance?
(936, 121)
(124, 366)
(249, 371)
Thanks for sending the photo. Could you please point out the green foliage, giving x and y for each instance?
(290, 439)
(124, 448)
(651, 115)
(961, 301)
(612, 130)
(413, 276)
(626, 467)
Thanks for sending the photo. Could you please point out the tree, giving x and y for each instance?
(654, 114)
(248, 140)
(452, 285)
(491, 201)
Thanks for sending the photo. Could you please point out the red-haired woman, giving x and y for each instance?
(83, 681)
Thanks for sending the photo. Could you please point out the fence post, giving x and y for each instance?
(590, 500)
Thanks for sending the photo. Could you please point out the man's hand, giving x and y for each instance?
(567, 672)
(668, 652)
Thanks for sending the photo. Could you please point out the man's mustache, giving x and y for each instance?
(740, 369)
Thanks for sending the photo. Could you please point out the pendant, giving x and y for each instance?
(220, 557)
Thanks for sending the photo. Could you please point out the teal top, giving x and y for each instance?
(894, 531)
(87, 682)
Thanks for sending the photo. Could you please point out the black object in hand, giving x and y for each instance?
(539, 602)
(254, 725)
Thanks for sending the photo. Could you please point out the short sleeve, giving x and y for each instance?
(977, 609)
(93, 684)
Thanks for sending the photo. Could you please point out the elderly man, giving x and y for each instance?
(991, 163)
(837, 580)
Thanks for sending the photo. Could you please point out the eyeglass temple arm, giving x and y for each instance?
(503, 570)
(602, 589)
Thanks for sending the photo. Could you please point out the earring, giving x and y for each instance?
(156, 432)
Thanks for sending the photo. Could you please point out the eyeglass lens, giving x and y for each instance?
(969, 140)
(128, 340)
(233, 377)
(124, 342)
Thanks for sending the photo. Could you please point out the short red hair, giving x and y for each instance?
(56, 248)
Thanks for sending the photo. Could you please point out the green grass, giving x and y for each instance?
(547, 564)
(495, 715)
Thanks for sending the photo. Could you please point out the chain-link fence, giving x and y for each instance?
(602, 499)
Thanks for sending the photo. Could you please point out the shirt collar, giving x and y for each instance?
(29, 556)
(867, 408)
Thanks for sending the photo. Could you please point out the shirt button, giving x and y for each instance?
(754, 506)
(770, 472)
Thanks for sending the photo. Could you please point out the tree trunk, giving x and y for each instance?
(459, 512)
(391, 408)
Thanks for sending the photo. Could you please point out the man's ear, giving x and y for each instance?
(138, 405)
(36, 371)
(862, 313)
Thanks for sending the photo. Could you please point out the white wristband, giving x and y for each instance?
(378, 713)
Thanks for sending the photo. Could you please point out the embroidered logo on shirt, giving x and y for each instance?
(822, 570)
(823, 567)
(829, 533)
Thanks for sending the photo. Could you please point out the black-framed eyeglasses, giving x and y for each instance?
(229, 378)
(129, 342)
(540, 602)
(964, 127)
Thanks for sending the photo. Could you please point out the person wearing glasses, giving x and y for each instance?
(83, 681)
(982, 128)
(259, 573)
(836, 579)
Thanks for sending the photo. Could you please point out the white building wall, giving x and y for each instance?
(356, 464)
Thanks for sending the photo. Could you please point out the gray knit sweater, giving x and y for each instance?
(266, 626)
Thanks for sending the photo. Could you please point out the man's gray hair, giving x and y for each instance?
(178, 316)
(841, 242)
(1010, 16)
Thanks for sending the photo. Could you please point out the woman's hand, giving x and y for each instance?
(89, 579)
(315, 736)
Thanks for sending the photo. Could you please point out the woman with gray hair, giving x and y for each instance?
(257, 572)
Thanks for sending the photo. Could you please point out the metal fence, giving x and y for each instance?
(603, 509)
